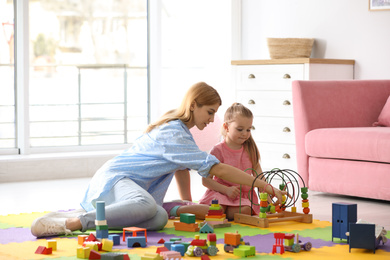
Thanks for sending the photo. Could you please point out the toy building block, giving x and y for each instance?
(187, 218)
(181, 226)
(81, 239)
(136, 241)
(52, 244)
(43, 250)
(94, 255)
(151, 256)
(100, 222)
(134, 230)
(170, 255)
(107, 244)
(178, 248)
(92, 245)
(101, 233)
(83, 252)
(206, 228)
(205, 257)
(232, 238)
(115, 256)
(168, 244)
(115, 238)
(212, 238)
(161, 249)
(100, 210)
(244, 251)
(161, 241)
(91, 237)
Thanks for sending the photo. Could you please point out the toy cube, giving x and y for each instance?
(102, 233)
(81, 239)
(232, 238)
(187, 218)
(115, 238)
(52, 244)
(107, 245)
(178, 248)
(83, 252)
(136, 241)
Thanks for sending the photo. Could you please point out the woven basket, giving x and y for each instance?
(286, 48)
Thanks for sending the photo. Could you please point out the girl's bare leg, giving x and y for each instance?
(230, 211)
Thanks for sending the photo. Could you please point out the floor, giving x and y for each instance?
(39, 196)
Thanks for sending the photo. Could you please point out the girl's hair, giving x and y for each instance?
(201, 93)
(250, 146)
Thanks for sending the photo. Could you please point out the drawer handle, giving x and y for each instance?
(251, 102)
(253, 128)
(251, 76)
(286, 156)
(286, 103)
(286, 130)
(286, 76)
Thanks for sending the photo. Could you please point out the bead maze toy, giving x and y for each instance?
(270, 213)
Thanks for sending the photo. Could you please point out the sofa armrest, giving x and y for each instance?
(328, 104)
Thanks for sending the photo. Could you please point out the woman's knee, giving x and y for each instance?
(160, 220)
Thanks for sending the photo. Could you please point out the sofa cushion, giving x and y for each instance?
(384, 116)
(354, 143)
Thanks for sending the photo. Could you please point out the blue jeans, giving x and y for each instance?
(128, 205)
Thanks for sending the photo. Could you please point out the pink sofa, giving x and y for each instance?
(338, 149)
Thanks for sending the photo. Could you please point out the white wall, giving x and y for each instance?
(343, 29)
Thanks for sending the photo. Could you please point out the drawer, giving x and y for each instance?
(270, 77)
(274, 130)
(267, 103)
(282, 156)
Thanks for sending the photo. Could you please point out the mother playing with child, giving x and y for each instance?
(134, 183)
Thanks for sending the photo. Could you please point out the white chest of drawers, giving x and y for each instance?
(264, 86)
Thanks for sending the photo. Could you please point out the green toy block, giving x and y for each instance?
(187, 218)
(102, 227)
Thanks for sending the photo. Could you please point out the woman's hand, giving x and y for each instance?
(232, 192)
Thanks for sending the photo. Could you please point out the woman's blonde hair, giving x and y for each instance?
(249, 145)
(201, 93)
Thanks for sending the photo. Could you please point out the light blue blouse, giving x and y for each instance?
(151, 162)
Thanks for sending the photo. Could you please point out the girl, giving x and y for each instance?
(134, 183)
(238, 149)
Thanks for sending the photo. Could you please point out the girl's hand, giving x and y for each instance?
(232, 192)
(279, 195)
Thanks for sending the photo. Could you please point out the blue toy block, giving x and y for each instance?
(115, 238)
(168, 244)
(100, 210)
(178, 248)
(102, 233)
(139, 241)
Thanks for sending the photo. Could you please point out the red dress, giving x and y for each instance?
(239, 159)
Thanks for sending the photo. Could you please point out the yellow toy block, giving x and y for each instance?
(92, 245)
(83, 252)
(215, 219)
(52, 244)
(107, 244)
(305, 204)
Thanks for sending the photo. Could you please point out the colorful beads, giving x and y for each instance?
(305, 201)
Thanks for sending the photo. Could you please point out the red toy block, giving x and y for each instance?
(44, 250)
(198, 242)
(40, 250)
(94, 255)
(161, 249)
(126, 257)
(161, 241)
(212, 237)
(215, 212)
(205, 257)
(91, 237)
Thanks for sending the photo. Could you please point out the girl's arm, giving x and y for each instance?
(231, 191)
(183, 181)
(232, 174)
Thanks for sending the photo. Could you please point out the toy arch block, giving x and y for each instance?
(134, 230)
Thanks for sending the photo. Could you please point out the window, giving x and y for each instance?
(7, 94)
